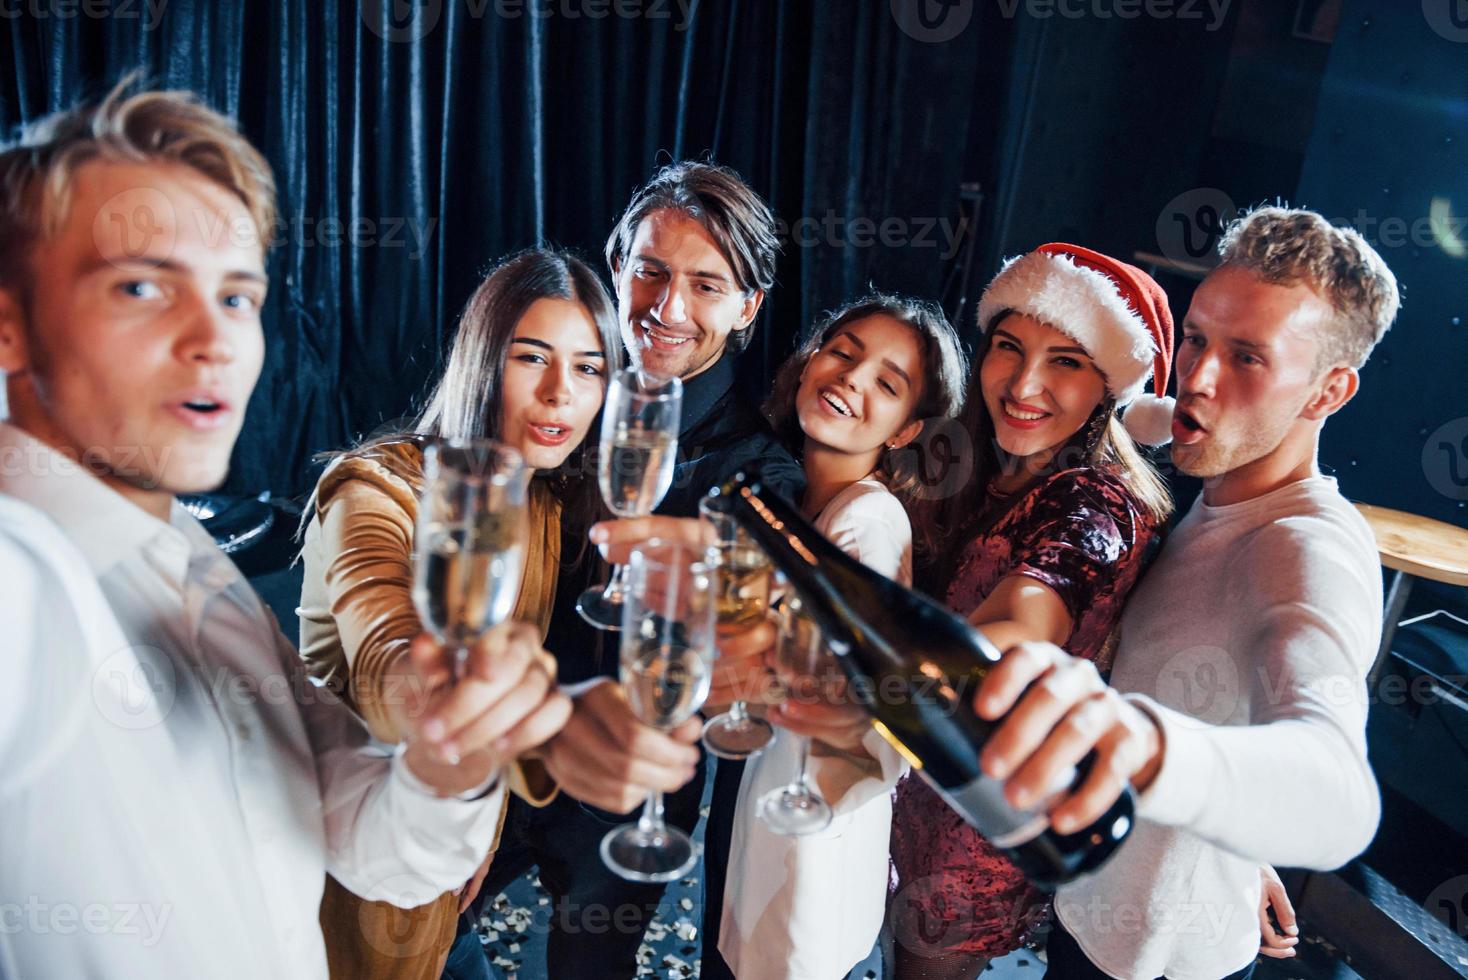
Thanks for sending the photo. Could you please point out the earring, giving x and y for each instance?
(1097, 429)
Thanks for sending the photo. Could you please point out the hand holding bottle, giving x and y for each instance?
(1056, 710)
(919, 667)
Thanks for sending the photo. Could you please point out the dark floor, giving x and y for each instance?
(515, 930)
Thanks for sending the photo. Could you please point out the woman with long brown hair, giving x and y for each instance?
(803, 897)
(528, 367)
(1045, 540)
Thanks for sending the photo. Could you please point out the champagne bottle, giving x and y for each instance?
(916, 668)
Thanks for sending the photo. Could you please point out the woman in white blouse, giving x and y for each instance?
(856, 393)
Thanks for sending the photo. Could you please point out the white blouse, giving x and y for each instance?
(810, 908)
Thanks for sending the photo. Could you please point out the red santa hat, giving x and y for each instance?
(1117, 312)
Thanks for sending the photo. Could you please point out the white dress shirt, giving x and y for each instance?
(173, 788)
(810, 908)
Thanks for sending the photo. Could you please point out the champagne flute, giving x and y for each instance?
(743, 575)
(469, 541)
(798, 808)
(667, 667)
(639, 445)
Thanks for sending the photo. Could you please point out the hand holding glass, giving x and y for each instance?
(639, 445)
(798, 808)
(743, 576)
(667, 666)
(469, 541)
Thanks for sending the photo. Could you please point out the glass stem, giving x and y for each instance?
(616, 585)
(458, 654)
(802, 778)
(651, 820)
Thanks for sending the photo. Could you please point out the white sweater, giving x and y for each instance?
(1249, 641)
(810, 908)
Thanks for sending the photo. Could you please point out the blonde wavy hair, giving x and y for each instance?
(128, 126)
(1293, 246)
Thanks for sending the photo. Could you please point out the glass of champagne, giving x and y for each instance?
(798, 808)
(639, 445)
(743, 575)
(667, 667)
(469, 541)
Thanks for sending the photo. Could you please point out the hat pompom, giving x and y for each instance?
(1149, 419)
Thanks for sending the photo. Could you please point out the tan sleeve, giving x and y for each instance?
(367, 541)
(367, 537)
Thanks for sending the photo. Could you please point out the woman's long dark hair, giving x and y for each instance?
(944, 365)
(1103, 440)
(465, 402)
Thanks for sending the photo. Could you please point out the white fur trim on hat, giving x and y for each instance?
(1149, 419)
(1083, 304)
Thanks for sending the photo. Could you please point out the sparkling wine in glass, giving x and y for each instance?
(469, 541)
(667, 652)
(639, 445)
(798, 808)
(744, 587)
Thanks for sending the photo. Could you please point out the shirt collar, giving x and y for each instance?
(103, 524)
(703, 391)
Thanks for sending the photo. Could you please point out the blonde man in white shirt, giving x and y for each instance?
(1268, 591)
(172, 787)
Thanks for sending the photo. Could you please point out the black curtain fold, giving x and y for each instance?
(412, 151)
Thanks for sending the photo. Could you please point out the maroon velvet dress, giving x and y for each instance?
(1083, 534)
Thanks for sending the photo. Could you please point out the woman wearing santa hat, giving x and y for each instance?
(1046, 540)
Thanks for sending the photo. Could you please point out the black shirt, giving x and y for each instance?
(720, 433)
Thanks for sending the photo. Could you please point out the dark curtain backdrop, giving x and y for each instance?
(454, 131)
(416, 142)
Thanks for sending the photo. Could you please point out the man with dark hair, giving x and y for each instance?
(692, 257)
